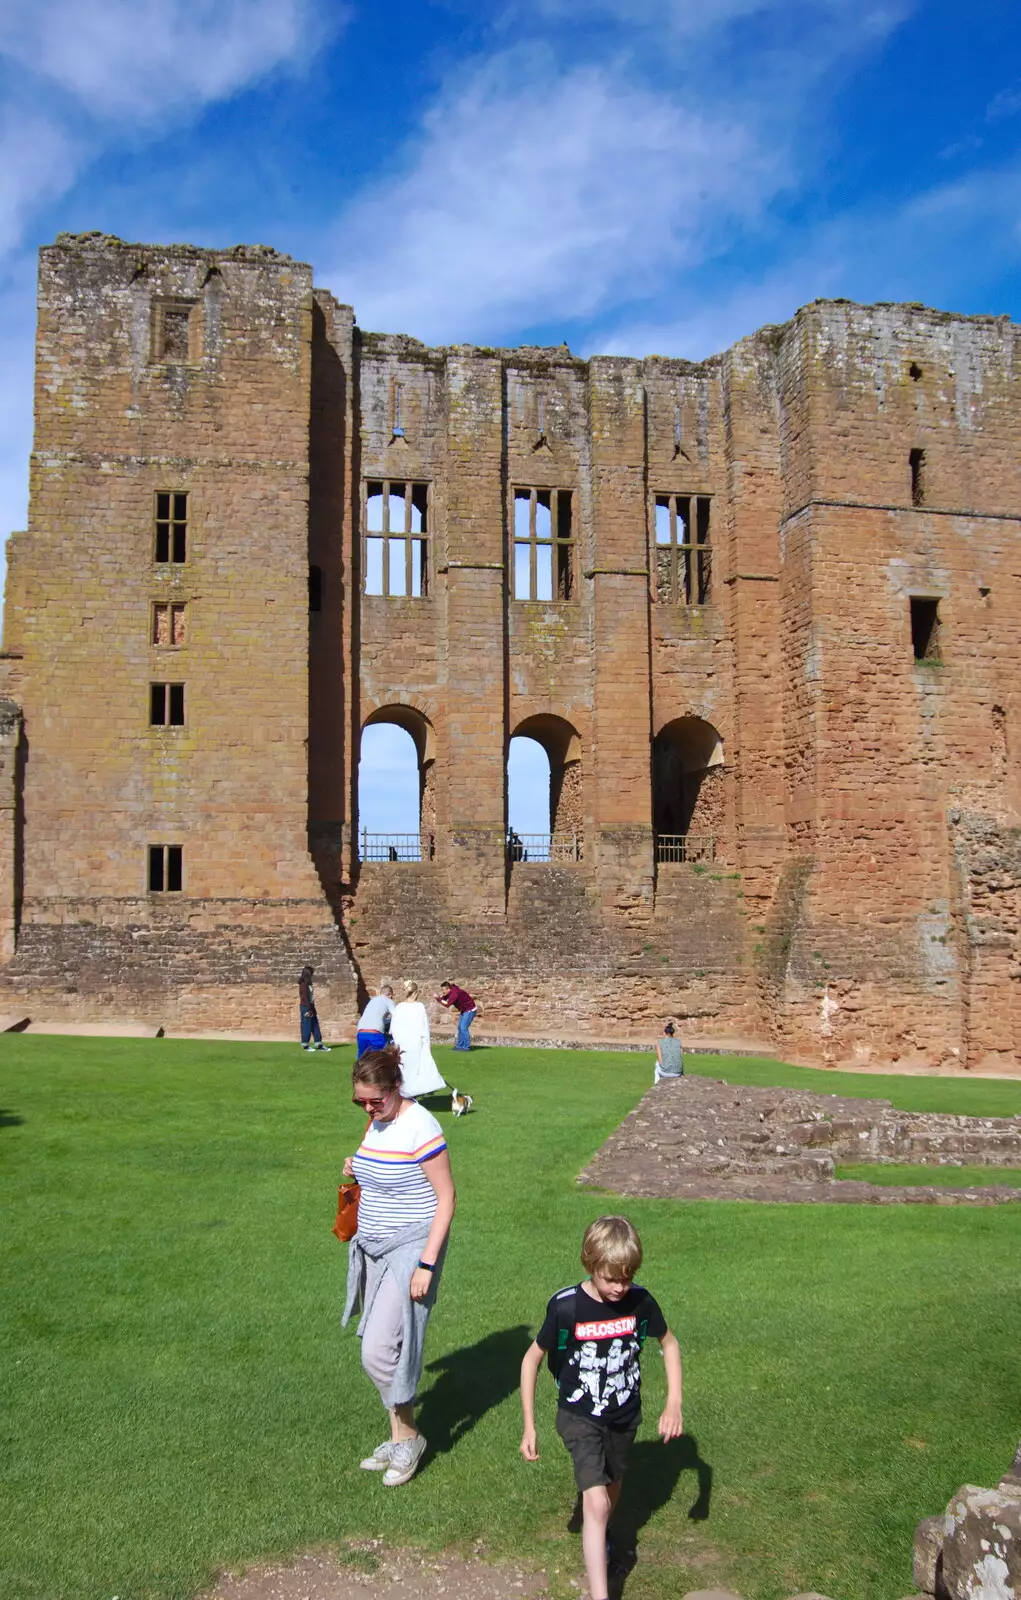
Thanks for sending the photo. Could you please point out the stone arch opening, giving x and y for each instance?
(687, 779)
(396, 785)
(563, 815)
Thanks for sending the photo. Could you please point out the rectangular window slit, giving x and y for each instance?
(168, 625)
(925, 628)
(916, 459)
(166, 705)
(171, 542)
(165, 869)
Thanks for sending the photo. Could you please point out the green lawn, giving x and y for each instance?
(890, 1175)
(177, 1394)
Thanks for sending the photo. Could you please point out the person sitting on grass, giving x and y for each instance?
(669, 1055)
(593, 1335)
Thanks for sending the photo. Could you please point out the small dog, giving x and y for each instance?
(460, 1103)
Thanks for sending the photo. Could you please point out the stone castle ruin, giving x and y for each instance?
(762, 612)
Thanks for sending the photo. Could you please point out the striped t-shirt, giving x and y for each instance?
(388, 1164)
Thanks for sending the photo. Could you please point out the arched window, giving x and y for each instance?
(544, 791)
(396, 811)
(687, 790)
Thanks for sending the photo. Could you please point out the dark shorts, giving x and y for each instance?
(599, 1451)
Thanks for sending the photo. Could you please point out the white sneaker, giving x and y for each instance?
(379, 1459)
(405, 1455)
(326, 1047)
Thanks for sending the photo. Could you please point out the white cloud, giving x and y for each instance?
(38, 159)
(845, 21)
(920, 250)
(535, 190)
(77, 76)
(533, 194)
(143, 58)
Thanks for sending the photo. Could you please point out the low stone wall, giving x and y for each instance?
(701, 1138)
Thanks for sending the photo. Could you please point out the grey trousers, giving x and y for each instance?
(384, 1332)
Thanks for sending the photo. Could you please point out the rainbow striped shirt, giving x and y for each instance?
(388, 1164)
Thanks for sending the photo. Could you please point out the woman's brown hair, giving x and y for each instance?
(379, 1069)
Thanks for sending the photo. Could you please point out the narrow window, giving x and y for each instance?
(166, 705)
(165, 869)
(168, 625)
(172, 332)
(395, 539)
(543, 544)
(315, 588)
(682, 549)
(171, 543)
(916, 459)
(925, 628)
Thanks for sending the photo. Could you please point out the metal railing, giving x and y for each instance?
(685, 847)
(543, 847)
(396, 846)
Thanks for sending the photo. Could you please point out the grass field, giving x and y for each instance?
(178, 1396)
(891, 1175)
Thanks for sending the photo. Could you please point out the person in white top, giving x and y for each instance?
(396, 1257)
(409, 1030)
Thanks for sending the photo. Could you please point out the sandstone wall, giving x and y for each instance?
(861, 900)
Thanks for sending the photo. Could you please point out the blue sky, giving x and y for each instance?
(633, 176)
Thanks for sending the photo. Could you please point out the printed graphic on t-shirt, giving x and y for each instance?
(601, 1375)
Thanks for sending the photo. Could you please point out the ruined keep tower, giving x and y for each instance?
(760, 611)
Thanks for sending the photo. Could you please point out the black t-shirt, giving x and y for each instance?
(600, 1375)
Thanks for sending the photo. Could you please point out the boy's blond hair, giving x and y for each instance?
(611, 1246)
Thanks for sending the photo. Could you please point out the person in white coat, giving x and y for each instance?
(409, 1030)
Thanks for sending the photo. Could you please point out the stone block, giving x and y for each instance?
(711, 1594)
(927, 1561)
(982, 1544)
(1012, 1477)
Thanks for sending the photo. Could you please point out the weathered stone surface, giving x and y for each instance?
(927, 1562)
(1012, 1477)
(982, 1544)
(703, 1138)
(711, 1594)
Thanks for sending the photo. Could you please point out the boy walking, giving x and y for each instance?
(593, 1337)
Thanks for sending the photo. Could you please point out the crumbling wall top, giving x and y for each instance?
(94, 239)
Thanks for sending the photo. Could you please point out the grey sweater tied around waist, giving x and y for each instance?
(367, 1262)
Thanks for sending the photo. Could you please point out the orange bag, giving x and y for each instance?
(346, 1223)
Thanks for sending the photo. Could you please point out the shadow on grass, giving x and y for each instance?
(471, 1382)
(651, 1482)
(10, 1119)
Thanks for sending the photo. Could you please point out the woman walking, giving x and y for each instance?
(404, 1215)
(669, 1055)
(409, 1030)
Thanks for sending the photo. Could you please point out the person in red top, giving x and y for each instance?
(464, 1005)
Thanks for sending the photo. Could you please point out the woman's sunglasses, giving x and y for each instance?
(372, 1104)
